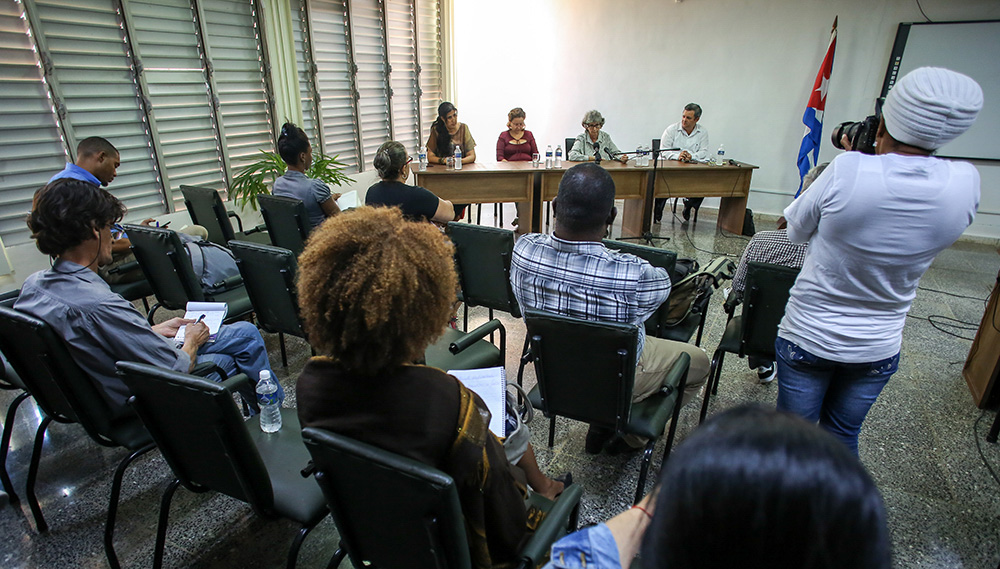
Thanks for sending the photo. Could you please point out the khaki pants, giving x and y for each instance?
(658, 356)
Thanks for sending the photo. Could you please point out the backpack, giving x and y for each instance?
(685, 294)
(212, 263)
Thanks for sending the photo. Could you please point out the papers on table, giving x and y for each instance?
(490, 384)
(211, 313)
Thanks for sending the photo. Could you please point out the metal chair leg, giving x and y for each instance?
(293, 552)
(991, 437)
(8, 427)
(711, 382)
(36, 454)
(161, 525)
(116, 490)
(552, 430)
(284, 356)
(338, 557)
(145, 304)
(643, 470)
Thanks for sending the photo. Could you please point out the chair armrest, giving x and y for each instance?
(471, 338)
(259, 229)
(239, 222)
(124, 267)
(734, 299)
(555, 525)
(229, 283)
(202, 369)
(233, 384)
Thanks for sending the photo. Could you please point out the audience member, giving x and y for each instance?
(97, 162)
(750, 488)
(771, 247)
(572, 273)
(71, 222)
(417, 204)
(375, 291)
(594, 142)
(295, 150)
(874, 224)
(692, 139)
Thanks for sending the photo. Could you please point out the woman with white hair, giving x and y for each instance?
(594, 141)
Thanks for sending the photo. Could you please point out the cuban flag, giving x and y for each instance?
(813, 117)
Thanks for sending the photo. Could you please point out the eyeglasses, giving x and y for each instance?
(593, 125)
(408, 160)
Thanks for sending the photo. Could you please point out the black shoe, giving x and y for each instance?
(686, 214)
(619, 446)
(658, 219)
(567, 481)
(597, 437)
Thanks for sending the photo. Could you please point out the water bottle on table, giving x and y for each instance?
(559, 154)
(270, 407)
(548, 157)
(422, 156)
(458, 157)
(720, 157)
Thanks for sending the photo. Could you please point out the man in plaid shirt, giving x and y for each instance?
(572, 273)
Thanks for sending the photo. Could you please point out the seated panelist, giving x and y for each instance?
(593, 138)
(516, 144)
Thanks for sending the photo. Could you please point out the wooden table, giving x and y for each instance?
(518, 181)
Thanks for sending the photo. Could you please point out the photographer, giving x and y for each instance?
(874, 225)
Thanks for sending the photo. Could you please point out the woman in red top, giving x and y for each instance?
(515, 144)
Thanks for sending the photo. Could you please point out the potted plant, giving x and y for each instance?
(256, 178)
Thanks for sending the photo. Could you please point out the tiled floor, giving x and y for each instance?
(917, 442)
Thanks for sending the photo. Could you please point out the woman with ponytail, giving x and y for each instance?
(295, 150)
(393, 167)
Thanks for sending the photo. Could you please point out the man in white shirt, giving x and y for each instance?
(874, 225)
(692, 139)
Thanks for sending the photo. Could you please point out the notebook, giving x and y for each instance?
(490, 384)
(211, 313)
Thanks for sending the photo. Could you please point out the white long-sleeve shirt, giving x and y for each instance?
(696, 143)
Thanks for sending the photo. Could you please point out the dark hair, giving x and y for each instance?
(756, 488)
(390, 159)
(694, 107)
(66, 212)
(375, 289)
(442, 140)
(95, 145)
(586, 196)
(292, 142)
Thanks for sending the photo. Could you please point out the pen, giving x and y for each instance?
(200, 318)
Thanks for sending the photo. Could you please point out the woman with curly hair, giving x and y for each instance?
(375, 291)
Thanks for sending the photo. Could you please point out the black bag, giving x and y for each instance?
(685, 294)
(748, 228)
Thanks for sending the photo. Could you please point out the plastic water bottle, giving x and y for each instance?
(720, 157)
(458, 157)
(559, 156)
(422, 156)
(548, 157)
(270, 408)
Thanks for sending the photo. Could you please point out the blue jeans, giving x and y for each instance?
(239, 348)
(835, 394)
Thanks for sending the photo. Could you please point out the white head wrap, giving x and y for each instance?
(930, 106)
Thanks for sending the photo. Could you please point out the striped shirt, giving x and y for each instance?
(585, 279)
(769, 247)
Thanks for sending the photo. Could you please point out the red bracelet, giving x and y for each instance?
(643, 510)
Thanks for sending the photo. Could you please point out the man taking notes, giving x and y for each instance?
(692, 139)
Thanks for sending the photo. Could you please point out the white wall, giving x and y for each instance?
(749, 64)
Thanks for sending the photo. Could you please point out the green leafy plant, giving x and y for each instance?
(256, 178)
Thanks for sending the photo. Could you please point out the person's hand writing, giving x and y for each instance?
(169, 328)
(196, 334)
(147, 222)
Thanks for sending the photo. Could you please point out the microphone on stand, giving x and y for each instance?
(597, 153)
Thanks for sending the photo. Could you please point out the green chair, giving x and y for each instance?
(269, 276)
(137, 290)
(656, 324)
(287, 222)
(167, 266)
(205, 206)
(394, 512)
(754, 331)
(586, 371)
(9, 381)
(201, 434)
(482, 257)
(65, 394)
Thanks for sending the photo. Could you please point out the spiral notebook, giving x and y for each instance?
(490, 384)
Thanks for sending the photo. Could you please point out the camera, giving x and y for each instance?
(861, 134)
